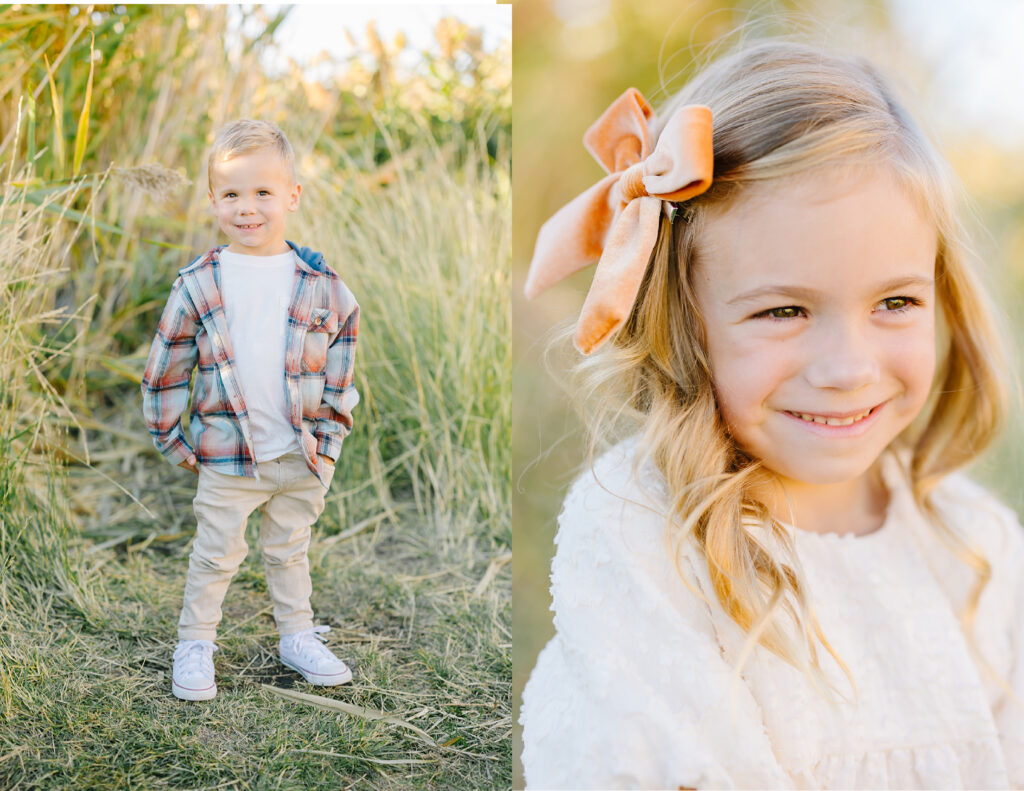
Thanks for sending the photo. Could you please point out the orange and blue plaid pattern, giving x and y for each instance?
(323, 322)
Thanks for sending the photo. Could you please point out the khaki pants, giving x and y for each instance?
(290, 498)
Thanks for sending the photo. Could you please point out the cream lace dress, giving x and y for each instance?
(633, 691)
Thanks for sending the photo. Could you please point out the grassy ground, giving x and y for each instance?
(410, 560)
(86, 696)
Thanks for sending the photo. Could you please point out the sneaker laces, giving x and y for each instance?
(309, 644)
(192, 653)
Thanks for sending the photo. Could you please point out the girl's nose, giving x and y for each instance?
(844, 361)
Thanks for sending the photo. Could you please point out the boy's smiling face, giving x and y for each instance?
(251, 195)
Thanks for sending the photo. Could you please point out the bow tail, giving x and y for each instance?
(619, 273)
(572, 238)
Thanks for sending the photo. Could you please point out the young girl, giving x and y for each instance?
(780, 581)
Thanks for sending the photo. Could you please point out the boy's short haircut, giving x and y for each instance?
(245, 136)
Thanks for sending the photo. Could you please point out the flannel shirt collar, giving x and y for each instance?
(309, 260)
(202, 278)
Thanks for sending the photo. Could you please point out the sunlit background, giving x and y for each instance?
(957, 66)
(321, 37)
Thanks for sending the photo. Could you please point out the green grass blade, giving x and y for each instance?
(58, 123)
(26, 19)
(79, 217)
(82, 135)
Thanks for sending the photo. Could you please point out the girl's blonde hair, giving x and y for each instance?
(245, 136)
(781, 109)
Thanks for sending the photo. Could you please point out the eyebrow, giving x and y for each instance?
(266, 187)
(804, 293)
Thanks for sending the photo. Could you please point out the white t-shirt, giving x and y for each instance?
(256, 291)
(634, 690)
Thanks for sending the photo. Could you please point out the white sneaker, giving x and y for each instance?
(305, 653)
(192, 677)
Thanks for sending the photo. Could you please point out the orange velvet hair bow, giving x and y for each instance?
(615, 222)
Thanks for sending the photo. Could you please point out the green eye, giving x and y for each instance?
(789, 312)
(900, 304)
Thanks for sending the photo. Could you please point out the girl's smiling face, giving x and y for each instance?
(818, 299)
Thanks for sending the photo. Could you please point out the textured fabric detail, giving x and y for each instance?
(635, 688)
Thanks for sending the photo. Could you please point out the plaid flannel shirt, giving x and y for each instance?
(323, 321)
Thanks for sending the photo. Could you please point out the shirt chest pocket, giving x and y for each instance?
(323, 323)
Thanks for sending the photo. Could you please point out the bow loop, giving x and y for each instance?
(621, 137)
(616, 221)
(677, 171)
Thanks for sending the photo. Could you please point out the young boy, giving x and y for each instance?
(273, 330)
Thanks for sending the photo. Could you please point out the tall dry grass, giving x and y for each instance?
(35, 524)
(429, 261)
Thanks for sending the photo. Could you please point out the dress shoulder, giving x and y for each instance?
(614, 531)
(619, 503)
(633, 692)
(979, 516)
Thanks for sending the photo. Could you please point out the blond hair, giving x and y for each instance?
(245, 136)
(782, 109)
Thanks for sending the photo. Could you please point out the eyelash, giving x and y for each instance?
(234, 195)
(911, 302)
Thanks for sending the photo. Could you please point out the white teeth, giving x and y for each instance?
(832, 421)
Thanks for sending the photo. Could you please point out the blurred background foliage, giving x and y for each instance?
(571, 59)
(106, 116)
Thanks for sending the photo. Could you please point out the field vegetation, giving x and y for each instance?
(105, 116)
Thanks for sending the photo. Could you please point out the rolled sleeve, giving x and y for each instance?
(165, 383)
(334, 416)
